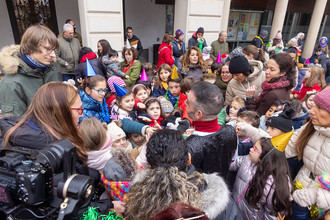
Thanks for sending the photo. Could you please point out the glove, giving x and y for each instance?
(247, 130)
(305, 197)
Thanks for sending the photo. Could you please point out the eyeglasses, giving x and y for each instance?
(80, 110)
(48, 50)
(101, 91)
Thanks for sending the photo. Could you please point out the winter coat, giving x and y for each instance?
(81, 70)
(119, 114)
(176, 52)
(133, 72)
(193, 41)
(217, 46)
(256, 78)
(133, 127)
(194, 71)
(68, 51)
(93, 108)
(135, 43)
(113, 69)
(21, 82)
(304, 89)
(213, 152)
(222, 85)
(165, 55)
(300, 120)
(316, 158)
(244, 175)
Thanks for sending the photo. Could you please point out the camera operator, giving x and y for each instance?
(53, 115)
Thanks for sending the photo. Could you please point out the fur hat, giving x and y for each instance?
(322, 99)
(238, 65)
(115, 132)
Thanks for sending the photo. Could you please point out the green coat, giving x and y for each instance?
(68, 51)
(133, 73)
(217, 46)
(20, 82)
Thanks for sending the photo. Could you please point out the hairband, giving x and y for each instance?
(191, 218)
(134, 87)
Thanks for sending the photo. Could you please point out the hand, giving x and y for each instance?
(305, 197)
(144, 118)
(119, 206)
(79, 80)
(140, 105)
(149, 132)
(157, 126)
(251, 91)
(66, 64)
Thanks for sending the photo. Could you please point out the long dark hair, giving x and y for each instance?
(287, 66)
(105, 48)
(272, 163)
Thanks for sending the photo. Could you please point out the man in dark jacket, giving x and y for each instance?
(259, 40)
(134, 41)
(196, 38)
(210, 145)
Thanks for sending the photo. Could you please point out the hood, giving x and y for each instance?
(216, 196)
(257, 70)
(9, 60)
(195, 35)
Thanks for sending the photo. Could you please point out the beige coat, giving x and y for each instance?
(256, 78)
(316, 160)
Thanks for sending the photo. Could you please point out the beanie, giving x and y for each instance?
(178, 33)
(115, 79)
(200, 30)
(239, 64)
(115, 132)
(322, 99)
(283, 121)
(166, 105)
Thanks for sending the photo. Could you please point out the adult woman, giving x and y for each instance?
(193, 64)
(165, 51)
(246, 73)
(311, 144)
(178, 46)
(131, 66)
(280, 79)
(103, 48)
(223, 78)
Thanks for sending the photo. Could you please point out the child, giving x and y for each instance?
(111, 96)
(97, 142)
(118, 137)
(149, 68)
(262, 187)
(186, 84)
(278, 125)
(236, 106)
(209, 77)
(166, 106)
(275, 107)
(141, 94)
(174, 94)
(154, 112)
(160, 87)
(308, 100)
(314, 80)
(124, 105)
(301, 115)
(92, 97)
(113, 65)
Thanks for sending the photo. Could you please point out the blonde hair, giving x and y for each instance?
(186, 61)
(239, 100)
(317, 76)
(159, 188)
(93, 134)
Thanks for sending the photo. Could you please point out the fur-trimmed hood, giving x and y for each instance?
(9, 60)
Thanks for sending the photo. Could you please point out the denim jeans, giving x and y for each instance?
(300, 213)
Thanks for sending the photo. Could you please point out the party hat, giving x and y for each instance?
(175, 74)
(144, 77)
(325, 181)
(128, 45)
(120, 91)
(280, 141)
(308, 61)
(219, 58)
(90, 70)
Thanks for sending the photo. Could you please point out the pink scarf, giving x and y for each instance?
(266, 86)
(97, 159)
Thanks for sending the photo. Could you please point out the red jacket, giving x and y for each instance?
(303, 91)
(165, 55)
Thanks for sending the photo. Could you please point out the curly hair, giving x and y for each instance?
(159, 188)
(186, 61)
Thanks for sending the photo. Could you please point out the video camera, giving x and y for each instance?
(41, 184)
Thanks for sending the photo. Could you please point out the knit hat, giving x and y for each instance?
(200, 30)
(322, 99)
(278, 35)
(264, 33)
(166, 105)
(325, 41)
(283, 121)
(178, 33)
(239, 64)
(115, 132)
(117, 80)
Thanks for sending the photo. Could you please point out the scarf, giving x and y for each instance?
(32, 62)
(154, 121)
(173, 99)
(127, 67)
(89, 56)
(207, 126)
(164, 84)
(279, 83)
(97, 159)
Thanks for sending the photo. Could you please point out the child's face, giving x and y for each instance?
(127, 103)
(255, 152)
(137, 139)
(273, 132)
(174, 88)
(309, 102)
(113, 58)
(121, 142)
(142, 95)
(234, 107)
(163, 75)
(154, 110)
(270, 111)
(98, 91)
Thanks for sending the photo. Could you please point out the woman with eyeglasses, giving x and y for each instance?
(223, 76)
(92, 96)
